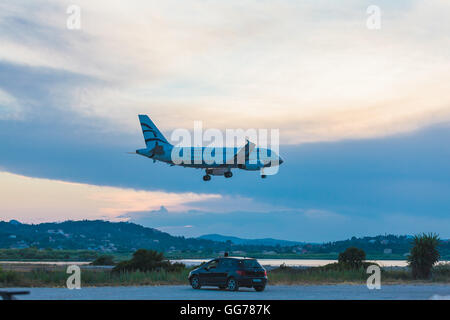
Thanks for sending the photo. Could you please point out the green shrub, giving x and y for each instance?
(103, 261)
(352, 257)
(441, 272)
(147, 260)
(424, 254)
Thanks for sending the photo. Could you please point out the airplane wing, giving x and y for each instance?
(242, 155)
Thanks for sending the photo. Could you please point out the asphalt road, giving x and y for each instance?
(314, 292)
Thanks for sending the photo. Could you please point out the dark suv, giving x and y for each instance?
(230, 273)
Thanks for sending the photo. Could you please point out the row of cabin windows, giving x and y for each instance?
(212, 152)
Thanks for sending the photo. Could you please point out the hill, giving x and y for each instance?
(258, 242)
(104, 236)
(94, 235)
(125, 237)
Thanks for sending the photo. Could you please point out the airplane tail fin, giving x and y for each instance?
(153, 137)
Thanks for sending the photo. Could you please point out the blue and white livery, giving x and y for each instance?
(216, 161)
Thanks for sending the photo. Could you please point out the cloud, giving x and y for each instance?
(312, 224)
(375, 104)
(321, 214)
(119, 201)
(9, 107)
(50, 200)
(324, 190)
(313, 70)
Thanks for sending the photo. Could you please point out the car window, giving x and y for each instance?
(223, 263)
(250, 263)
(212, 264)
(226, 263)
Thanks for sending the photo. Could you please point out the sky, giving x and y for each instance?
(363, 114)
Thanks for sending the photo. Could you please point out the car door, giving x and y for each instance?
(223, 271)
(209, 274)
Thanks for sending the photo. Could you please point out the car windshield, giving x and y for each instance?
(250, 263)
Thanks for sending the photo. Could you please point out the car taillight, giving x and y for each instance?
(265, 273)
(240, 272)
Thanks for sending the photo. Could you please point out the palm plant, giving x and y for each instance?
(424, 254)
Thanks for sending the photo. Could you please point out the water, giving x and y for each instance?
(299, 262)
(264, 262)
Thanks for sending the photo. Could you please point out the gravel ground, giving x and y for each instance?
(312, 292)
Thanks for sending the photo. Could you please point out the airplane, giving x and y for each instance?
(217, 161)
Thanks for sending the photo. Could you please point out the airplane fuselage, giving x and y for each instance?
(210, 157)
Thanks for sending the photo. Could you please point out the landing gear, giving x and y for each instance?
(224, 172)
(262, 173)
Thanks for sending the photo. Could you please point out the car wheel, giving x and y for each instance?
(232, 284)
(259, 288)
(195, 282)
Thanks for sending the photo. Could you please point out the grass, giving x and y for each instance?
(57, 278)
(290, 276)
(329, 274)
(7, 277)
